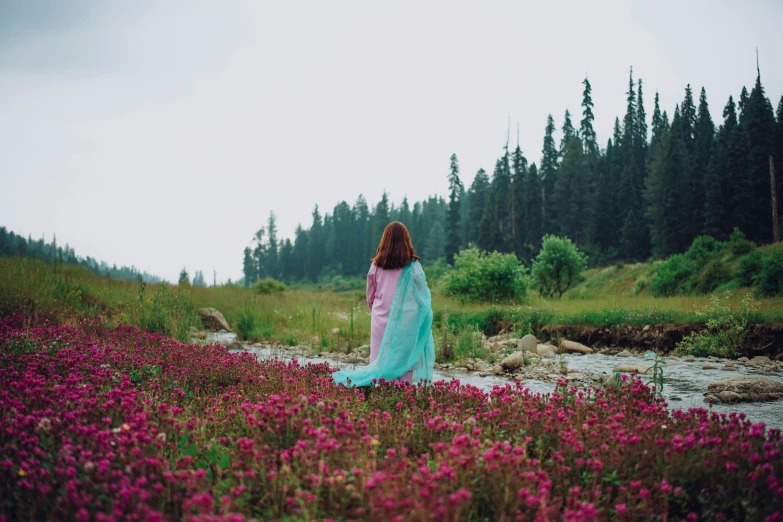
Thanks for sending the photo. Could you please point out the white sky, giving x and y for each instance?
(161, 134)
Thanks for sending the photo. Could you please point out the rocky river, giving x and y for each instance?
(687, 380)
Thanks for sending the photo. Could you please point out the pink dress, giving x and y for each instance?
(381, 287)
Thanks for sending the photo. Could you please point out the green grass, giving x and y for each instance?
(302, 315)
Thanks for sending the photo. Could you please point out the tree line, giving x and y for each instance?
(649, 191)
(14, 245)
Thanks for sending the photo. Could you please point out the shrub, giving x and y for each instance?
(703, 248)
(749, 268)
(268, 286)
(557, 266)
(483, 277)
(726, 328)
(739, 244)
(716, 274)
(770, 278)
(671, 275)
(639, 285)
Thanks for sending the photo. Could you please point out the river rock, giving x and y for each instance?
(497, 369)
(689, 358)
(235, 345)
(528, 343)
(624, 353)
(761, 359)
(709, 367)
(749, 388)
(573, 346)
(632, 368)
(546, 350)
(213, 320)
(729, 396)
(513, 361)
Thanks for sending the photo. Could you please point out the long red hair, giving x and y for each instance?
(396, 248)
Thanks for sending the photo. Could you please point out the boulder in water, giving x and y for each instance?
(213, 320)
(632, 368)
(528, 343)
(747, 388)
(546, 350)
(573, 346)
(513, 361)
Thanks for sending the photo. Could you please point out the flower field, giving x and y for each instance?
(106, 424)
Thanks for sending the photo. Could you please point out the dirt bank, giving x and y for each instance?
(762, 339)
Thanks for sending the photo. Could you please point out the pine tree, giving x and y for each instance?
(569, 132)
(742, 105)
(478, 195)
(717, 207)
(405, 212)
(703, 136)
(184, 280)
(271, 249)
(518, 197)
(741, 182)
(657, 125)
(249, 267)
(548, 173)
(641, 133)
(606, 226)
(363, 247)
(381, 217)
(315, 248)
(586, 131)
(534, 211)
(436, 242)
(571, 194)
(454, 214)
(300, 254)
(760, 128)
(286, 257)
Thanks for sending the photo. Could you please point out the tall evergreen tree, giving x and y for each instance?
(519, 239)
(270, 264)
(657, 124)
(249, 267)
(586, 130)
(315, 248)
(703, 136)
(548, 173)
(569, 132)
(534, 210)
(286, 260)
(381, 217)
(641, 132)
(478, 195)
(436, 242)
(741, 183)
(760, 128)
(571, 196)
(717, 205)
(454, 214)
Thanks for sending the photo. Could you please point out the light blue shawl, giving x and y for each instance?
(407, 341)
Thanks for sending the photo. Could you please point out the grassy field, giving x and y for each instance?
(327, 319)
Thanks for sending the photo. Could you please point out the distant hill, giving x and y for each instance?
(14, 245)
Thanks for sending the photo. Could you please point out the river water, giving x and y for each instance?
(684, 383)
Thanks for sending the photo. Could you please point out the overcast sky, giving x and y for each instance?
(161, 134)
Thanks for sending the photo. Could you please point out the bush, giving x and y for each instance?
(703, 248)
(716, 274)
(269, 286)
(557, 266)
(639, 285)
(749, 268)
(672, 275)
(482, 277)
(250, 328)
(738, 244)
(726, 328)
(770, 279)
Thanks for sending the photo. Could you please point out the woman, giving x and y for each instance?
(401, 344)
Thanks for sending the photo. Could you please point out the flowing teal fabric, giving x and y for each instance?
(407, 341)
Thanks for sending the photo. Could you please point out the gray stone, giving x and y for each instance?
(761, 359)
(712, 399)
(689, 358)
(497, 369)
(573, 346)
(546, 350)
(528, 343)
(749, 388)
(513, 361)
(624, 353)
(213, 320)
(729, 396)
(709, 367)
